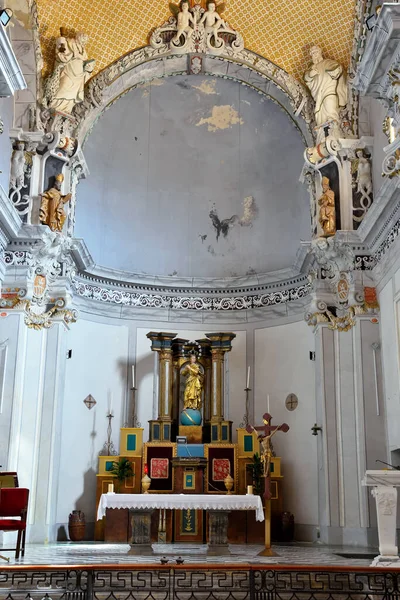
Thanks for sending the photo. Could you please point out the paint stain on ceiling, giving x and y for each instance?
(222, 117)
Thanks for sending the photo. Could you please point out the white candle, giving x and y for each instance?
(111, 403)
(268, 404)
(133, 376)
(248, 378)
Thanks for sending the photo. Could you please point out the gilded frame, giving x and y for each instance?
(147, 445)
(236, 468)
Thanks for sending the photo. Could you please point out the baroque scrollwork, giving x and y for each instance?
(334, 258)
(34, 319)
(197, 30)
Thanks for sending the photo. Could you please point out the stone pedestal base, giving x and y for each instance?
(218, 533)
(193, 433)
(386, 561)
(141, 532)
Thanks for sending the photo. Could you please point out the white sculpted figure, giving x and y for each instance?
(71, 71)
(364, 177)
(17, 174)
(326, 81)
(211, 19)
(184, 19)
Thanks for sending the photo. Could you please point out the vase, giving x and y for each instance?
(76, 526)
(228, 481)
(146, 481)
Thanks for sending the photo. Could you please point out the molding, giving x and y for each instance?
(215, 300)
(11, 77)
(10, 221)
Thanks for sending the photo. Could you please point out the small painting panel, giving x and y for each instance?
(188, 522)
(131, 442)
(159, 468)
(188, 481)
(221, 468)
(248, 443)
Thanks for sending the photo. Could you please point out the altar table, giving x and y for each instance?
(142, 505)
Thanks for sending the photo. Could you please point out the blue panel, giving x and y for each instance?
(214, 433)
(166, 432)
(156, 431)
(224, 433)
(189, 450)
(109, 465)
(248, 443)
(131, 442)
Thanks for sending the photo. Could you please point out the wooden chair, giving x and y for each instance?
(14, 503)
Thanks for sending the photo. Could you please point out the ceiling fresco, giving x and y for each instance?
(194, 177)
(279, 30)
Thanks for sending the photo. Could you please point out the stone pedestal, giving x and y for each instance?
(193, 433)
(385, 493)
(141, 532)
(218, 533)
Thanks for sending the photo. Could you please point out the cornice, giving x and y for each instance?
(11, 77)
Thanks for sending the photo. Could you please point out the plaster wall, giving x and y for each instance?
(283, 366)
(98, 366)
(10, 329)
(389, 300)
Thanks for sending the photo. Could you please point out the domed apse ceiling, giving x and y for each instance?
(194, 177)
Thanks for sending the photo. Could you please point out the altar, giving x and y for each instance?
(198, 477)
(141, 507)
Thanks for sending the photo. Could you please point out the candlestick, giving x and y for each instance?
(245, 422)
(248, 377)
(108, 447)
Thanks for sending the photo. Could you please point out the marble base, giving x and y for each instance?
(141, 532)
(386, 561)
(141, 550)
(218, 533)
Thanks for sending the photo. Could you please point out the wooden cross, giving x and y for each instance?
(266, 432)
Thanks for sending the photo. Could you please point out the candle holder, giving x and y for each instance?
(135, 422)
(108, 447)
(245, 421)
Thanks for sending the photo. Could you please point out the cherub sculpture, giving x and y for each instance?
(361, 168)
(212, 20)
(184, 20)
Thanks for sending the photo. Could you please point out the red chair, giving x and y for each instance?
(14, 503)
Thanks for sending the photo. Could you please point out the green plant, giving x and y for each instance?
(257, 472)
(121, 469)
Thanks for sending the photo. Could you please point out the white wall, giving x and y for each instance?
(99, 367)
(283, 366)
(389, 300)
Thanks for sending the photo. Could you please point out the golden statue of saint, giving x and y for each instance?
(327, 212)
(194, 384)
(52, 206)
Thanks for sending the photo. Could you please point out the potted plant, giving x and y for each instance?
(257, 472)
(121, 469)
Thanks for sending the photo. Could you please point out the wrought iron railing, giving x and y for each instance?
(204, 582)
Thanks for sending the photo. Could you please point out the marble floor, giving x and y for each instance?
(95, 553)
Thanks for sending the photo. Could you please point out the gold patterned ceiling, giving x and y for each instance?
(279, 30)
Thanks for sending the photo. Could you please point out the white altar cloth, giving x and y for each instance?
(181, 501)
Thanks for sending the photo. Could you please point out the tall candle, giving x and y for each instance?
(111, 403)
(268, 403)
(248, 378)
(133, 376)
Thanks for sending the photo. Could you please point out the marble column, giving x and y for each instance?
(217, 379)
(165, 397)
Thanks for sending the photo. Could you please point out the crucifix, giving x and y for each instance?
(265, 432)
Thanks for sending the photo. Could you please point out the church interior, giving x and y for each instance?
(199, 299)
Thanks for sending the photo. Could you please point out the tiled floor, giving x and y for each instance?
(69, 553)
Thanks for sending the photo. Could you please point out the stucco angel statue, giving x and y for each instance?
(212, 20)
(186, 22)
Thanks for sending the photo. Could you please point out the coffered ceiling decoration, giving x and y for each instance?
(279, 30)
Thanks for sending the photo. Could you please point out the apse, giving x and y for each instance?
(195, 177)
